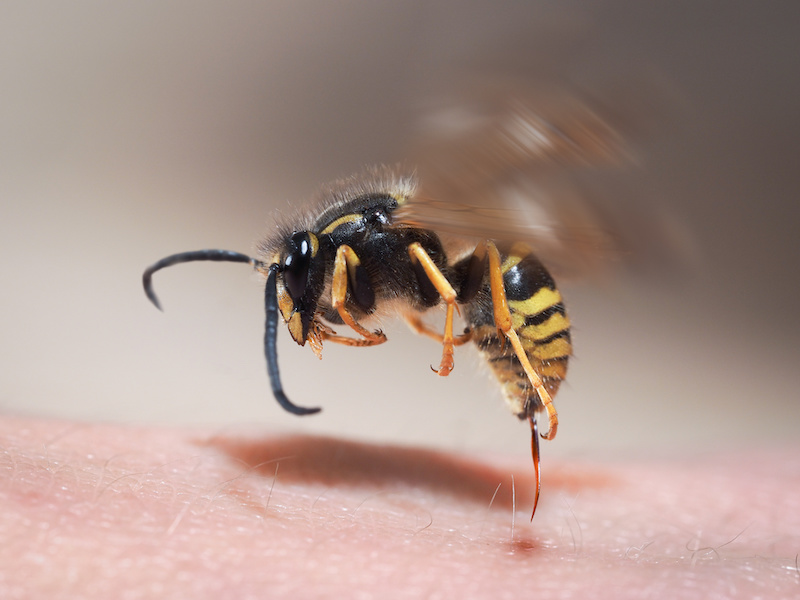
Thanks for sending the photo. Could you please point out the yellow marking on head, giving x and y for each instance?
(351, 218)
(292, 319)
(295, 325)
(555, 324)
(314, 243)
(542, 300)
(285, 303)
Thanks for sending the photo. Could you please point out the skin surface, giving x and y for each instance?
(106, 511)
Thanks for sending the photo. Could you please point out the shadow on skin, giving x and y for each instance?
(337, 462)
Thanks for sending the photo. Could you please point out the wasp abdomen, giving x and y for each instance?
(539, 319)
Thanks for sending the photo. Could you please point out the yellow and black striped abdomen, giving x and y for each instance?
(540, 320)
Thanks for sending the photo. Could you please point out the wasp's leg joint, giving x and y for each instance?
(421, 328)
(434, 276)
(347, 268)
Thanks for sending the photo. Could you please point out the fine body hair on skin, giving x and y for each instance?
(100, 511)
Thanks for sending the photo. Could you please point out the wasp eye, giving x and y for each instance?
(296, 265)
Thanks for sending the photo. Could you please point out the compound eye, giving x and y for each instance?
(296, 265)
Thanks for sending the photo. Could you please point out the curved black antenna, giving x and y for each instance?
(271, 304)
(183, 257)
(271, 346)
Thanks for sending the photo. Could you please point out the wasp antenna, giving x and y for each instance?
(183, 257)
(535, 455)
(271, 347)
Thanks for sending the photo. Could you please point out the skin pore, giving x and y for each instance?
(110, 511)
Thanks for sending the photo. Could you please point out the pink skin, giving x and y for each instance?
(104, 511)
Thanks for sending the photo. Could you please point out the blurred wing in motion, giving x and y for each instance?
(509, 163)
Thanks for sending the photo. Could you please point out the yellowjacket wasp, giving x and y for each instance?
(382, 242)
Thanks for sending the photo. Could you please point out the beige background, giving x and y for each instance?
(132, 130)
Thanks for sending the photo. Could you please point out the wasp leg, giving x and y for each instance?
(320, 332)
(346, 263)
(535, 456)
(502, 319)
(348, 341)
(448, 294)
(421, 328)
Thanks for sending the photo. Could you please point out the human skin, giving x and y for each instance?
(110, 511)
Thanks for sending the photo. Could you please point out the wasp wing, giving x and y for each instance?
(509, 163)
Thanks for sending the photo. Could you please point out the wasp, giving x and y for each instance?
(382, 243)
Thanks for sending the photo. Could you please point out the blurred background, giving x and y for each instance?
(133, 130)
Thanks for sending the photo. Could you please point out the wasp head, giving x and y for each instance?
(300, 282)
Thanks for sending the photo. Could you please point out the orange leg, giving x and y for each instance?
(348, 341)
(448, 294)
(347, 261)
(421, 328)
(502, 318)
